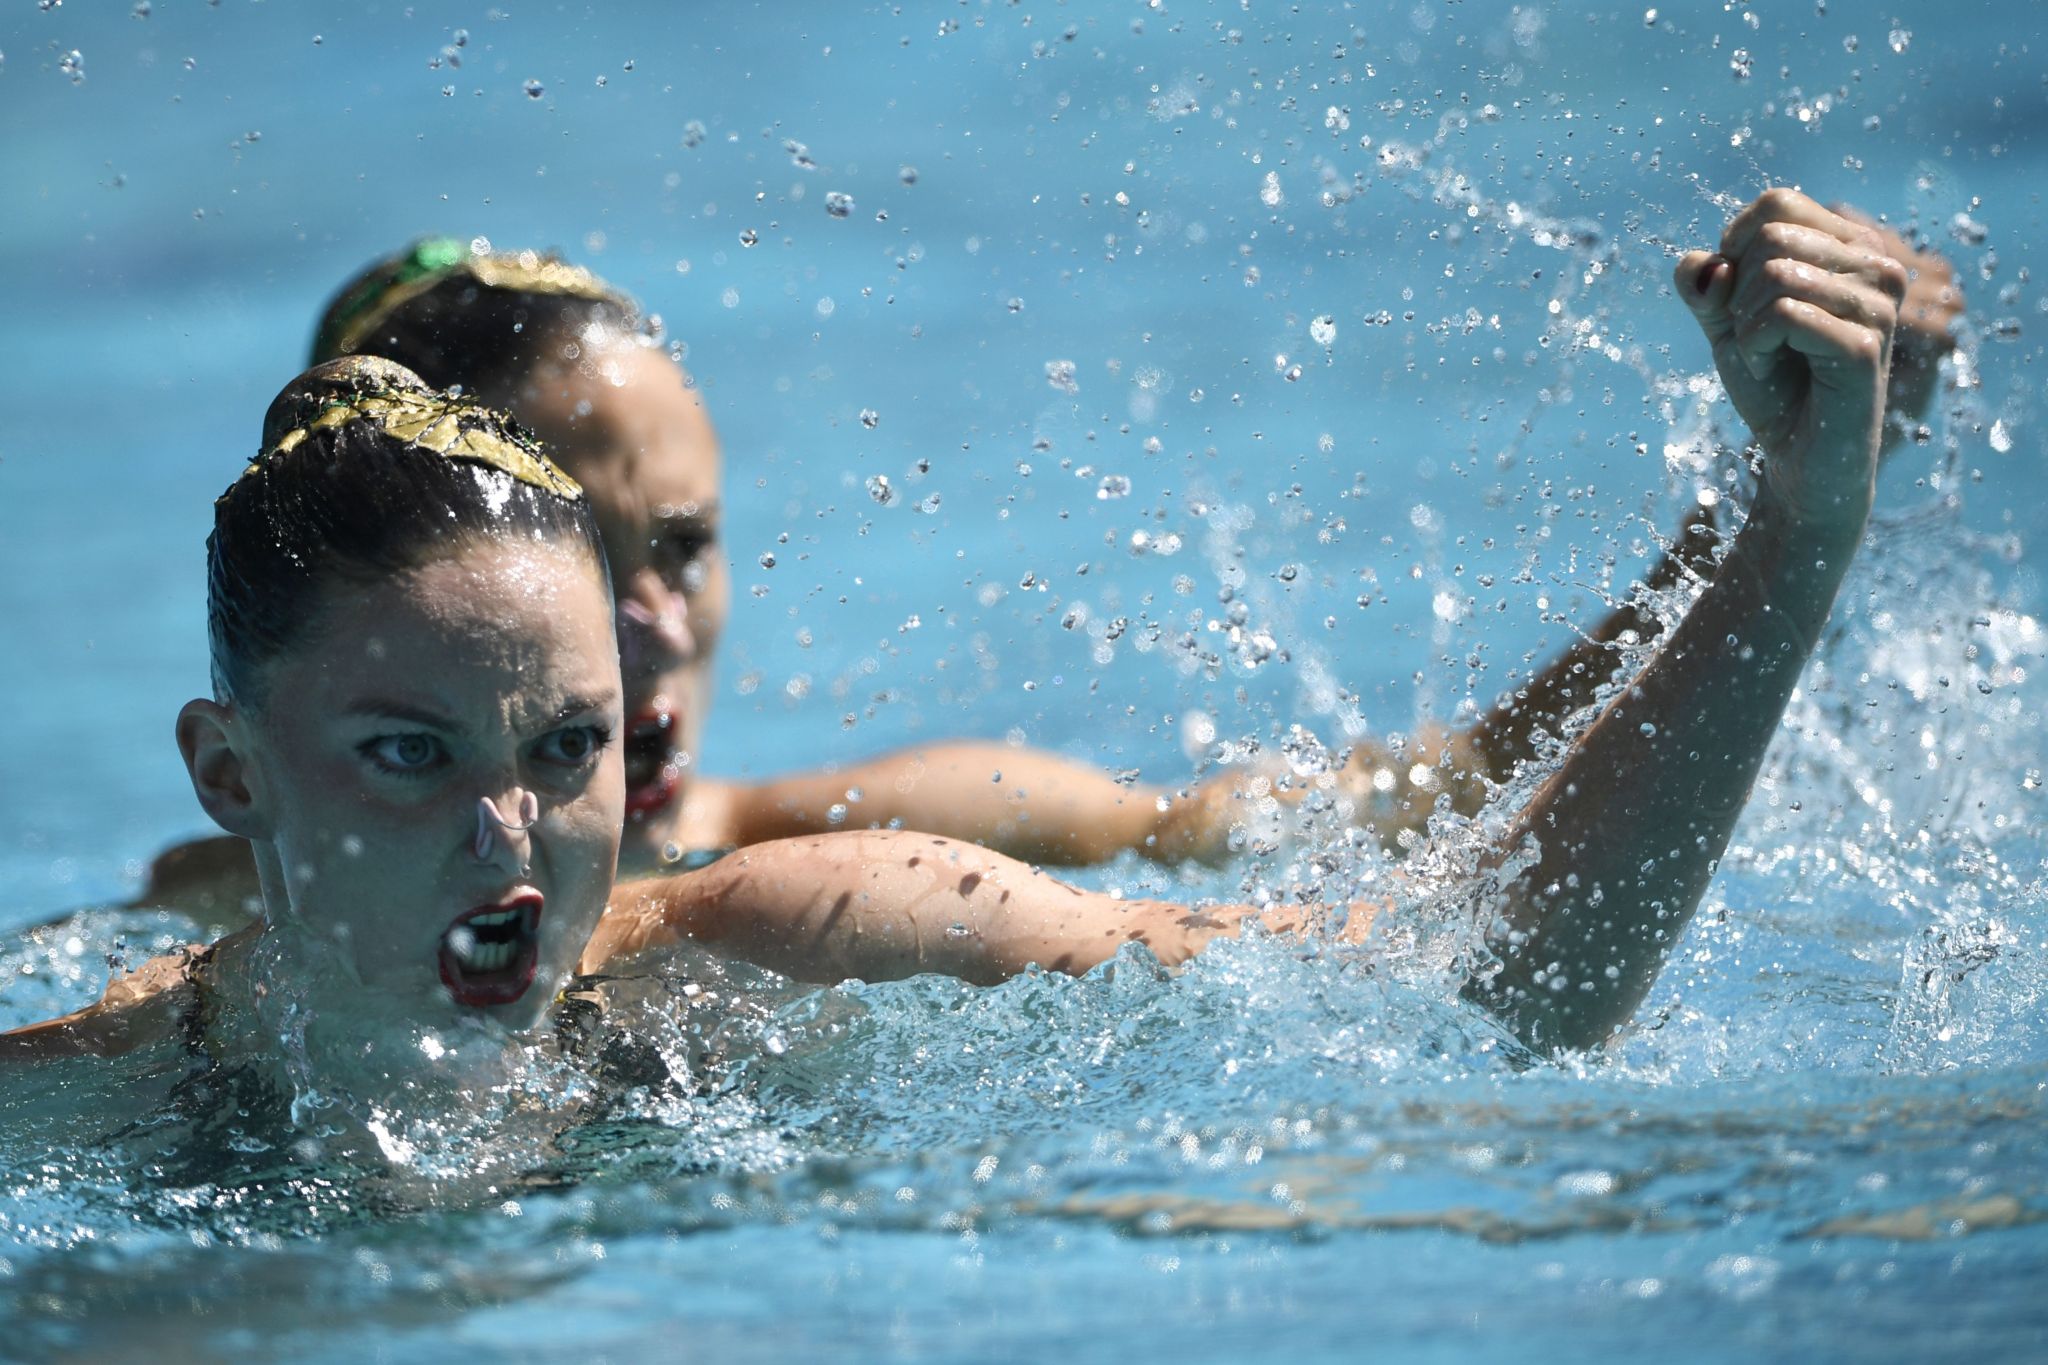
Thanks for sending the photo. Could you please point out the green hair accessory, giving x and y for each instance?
(391, 283)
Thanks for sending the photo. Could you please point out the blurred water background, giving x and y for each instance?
(1358, 310)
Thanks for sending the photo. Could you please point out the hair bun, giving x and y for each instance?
(331, 382)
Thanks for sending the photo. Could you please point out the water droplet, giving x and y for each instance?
(460, 37)
(1269, 190)
(1649, 18)
(1113, 486)
(879, 489)
(907, 174)
(1304, 752)
(1647, 730)
(141, 10)
(534, 89)
(1851, 43)
(958, 930)
(1739, 63)
(1061, 375)
(838, 204)
(1323, 330)
(768, 560)
(870, 419)
(835, 814)
(1900, 39)
(72, 64)
(928, 504)
(748, 237)
(694, 133)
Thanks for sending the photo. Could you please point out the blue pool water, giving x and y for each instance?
(1110, 233)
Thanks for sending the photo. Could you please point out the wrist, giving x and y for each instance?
(1797, 558)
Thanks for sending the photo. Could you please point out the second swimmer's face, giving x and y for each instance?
(486, 675)
(625, 424)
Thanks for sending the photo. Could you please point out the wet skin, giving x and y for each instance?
(358, 778)
(1799, 306)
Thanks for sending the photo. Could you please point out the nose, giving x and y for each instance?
(502, 831)
(654, 625)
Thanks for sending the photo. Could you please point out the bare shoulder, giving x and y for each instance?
(137, 1009)
(216, 875)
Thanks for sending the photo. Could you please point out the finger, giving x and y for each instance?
(1760, 322)
(1706, 282)
(1785, 206)
(1933, 303)
(1782, 242)
(1843, 295)
(1839, 351)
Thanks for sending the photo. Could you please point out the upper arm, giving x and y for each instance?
(136, 1010)
(890, 903)
(1024, 802)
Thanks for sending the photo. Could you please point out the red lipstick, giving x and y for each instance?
(653, 763)
(489, 954)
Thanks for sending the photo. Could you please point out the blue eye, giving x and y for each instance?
(575, 746)
(407, 754)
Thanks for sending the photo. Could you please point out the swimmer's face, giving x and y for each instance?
(487, 674)
(625, 425)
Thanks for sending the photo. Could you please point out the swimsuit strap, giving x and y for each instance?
(198, 1012)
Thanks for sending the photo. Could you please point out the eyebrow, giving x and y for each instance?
(576, 706)
(669, 513)
(381, 708)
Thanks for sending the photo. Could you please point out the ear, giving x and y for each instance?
(214, 739)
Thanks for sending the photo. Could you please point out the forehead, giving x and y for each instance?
(626, 425)
(500, 633)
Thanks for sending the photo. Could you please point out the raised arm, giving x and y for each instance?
(1799, 305)
(1507, 734)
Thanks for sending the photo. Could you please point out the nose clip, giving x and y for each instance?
(666, 631)
(491, 822)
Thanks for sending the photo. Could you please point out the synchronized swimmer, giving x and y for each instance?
(420, 729)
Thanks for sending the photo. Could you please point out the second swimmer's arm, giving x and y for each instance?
(1023, 802)
(884, 904)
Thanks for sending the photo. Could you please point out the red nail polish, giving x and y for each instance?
(1705, 280)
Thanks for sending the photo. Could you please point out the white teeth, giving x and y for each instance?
(488, 957)
(495, 920)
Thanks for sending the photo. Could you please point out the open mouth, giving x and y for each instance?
(489, 954)
(654, 765)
